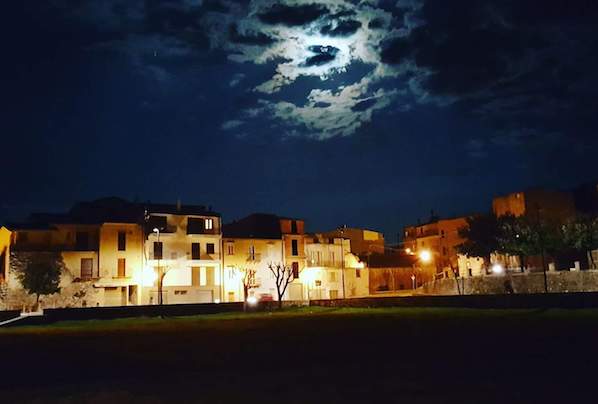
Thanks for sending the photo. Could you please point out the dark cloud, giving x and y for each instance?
(376, 23)
(364, 105)
(249, 38)
(514, 64)
(323, 55)
(342, 28)
(293, 15)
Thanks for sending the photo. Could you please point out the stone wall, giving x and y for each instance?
(522, 283)
(72, 292)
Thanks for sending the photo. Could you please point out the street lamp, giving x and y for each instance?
(425, 256)
(341, 230)
(157, 231)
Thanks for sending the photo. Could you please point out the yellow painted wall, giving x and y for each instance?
(266, 251)
(5, 238)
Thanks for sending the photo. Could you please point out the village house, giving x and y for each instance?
(184, 246)
(332, 271)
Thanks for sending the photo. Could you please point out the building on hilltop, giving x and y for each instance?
(548, 205)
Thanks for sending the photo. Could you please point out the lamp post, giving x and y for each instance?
(342, 232)
(157, 231)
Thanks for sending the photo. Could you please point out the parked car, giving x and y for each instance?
(266, 297)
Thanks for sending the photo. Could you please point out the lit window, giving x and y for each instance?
(209, 224)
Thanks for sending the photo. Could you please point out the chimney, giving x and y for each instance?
(178, 205)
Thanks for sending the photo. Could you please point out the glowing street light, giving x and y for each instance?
(497, 269)
(252, 300)
(425, 256)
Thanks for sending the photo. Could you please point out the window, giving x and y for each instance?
(294, 248)
(294, 226)
(470, 271)
(195, 254)
(295, 267)
(331, 240)
(230, 248)
(333, 294)
(358, 273)
(122, 241)
(210, 248)
(331, 276)
(157, 250)
(195, 225)
(86, 268)
(210, 276)
(444, 251)
(318, 283)
(252, 253)
(209, 224)
(122, 263)
(180, 292)
(442, 233)
(195, 271)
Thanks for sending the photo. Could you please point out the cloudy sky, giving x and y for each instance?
(369, 113)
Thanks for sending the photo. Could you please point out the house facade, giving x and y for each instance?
(331, 270)
(183, 243)
(257, 241)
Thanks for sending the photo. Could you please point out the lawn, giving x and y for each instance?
(309, 355)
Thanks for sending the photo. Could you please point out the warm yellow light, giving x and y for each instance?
(149, 276)
(497, 269)
(252, 300)
(425, 256)
(408, 250)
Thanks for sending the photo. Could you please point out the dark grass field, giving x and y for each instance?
(309, 356)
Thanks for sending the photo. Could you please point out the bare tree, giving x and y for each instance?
(249, 281)
(284, 276)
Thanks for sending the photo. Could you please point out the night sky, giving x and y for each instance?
(365, 113)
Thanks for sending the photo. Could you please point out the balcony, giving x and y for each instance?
(255, 257)
(323, 263)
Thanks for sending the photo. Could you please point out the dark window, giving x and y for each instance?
(331, 240)
(122, 265)
(86, 268)
(122, 241)
(444, 251)
(358, 273)
(82, 240)
(294, 248)
(210, 248)
(157, 250)
(295, 267)
(470, 271)
(195, 225)
(195, 251)
(318, 283)
(294, 226)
